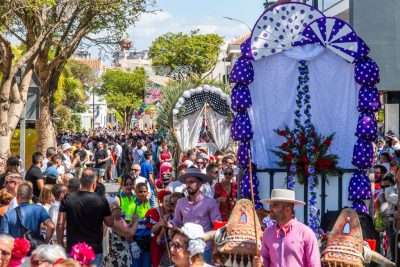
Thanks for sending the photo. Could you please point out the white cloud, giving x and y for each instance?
(150, 26)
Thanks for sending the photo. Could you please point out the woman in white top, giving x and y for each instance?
(187, 247)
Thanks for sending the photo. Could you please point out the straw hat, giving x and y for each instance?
(283, 195)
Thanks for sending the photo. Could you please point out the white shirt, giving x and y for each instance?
(67, 160)
(118, 150)
(44, 166)
(208, 190)
(176, 186)
(13, 204)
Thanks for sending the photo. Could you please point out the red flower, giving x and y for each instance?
(289, 156)
(83, 253)
(324, 164)
(19, 251)
(290, 140)
(304, 159)
(302, 137)
(284, 146)
(327, 142)
(282, 133)
(312, 134)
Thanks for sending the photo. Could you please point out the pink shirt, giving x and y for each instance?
(203, 211)
(299, 248)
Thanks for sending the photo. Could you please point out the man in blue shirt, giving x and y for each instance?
(32, 216)
(147, 172)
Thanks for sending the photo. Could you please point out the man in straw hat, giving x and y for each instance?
(288, 242)
(196, 207)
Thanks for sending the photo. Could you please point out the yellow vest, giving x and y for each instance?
(131, 206)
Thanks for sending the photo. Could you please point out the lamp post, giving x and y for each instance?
(241, 21)
(94, 114)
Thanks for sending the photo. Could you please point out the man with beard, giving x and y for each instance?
(288, 242)
(196, 207)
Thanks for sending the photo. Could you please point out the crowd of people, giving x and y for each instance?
(163, 206)
(61, 198)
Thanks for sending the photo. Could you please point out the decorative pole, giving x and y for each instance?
(162, 215)
(253, 202)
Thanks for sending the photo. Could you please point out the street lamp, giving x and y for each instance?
(241, 21)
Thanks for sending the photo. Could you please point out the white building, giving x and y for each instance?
(97, 110)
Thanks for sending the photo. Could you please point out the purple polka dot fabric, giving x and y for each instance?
(242, 71)
(241, 99)
(279, 28)
(363, 48)
(243, 154)
(367, 126)
(241, 129)
(360, 205)
(368, 99)
(362, 154)
(336, 35)
(367, 72)
(245, 187)
(359, 186)
(246, 50)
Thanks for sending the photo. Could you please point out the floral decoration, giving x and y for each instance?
(83, 253)
(305, 154)
(19, 251)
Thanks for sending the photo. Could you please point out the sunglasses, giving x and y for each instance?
(5, 252)
(177, 245)
(215, 172)
(200, 163)
(228, 174)
(385, 186)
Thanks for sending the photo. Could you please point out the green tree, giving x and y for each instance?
(52, 30)
(71, 90)
(123, 91)
(181, 56)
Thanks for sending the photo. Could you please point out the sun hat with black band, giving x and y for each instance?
(283, 195)
(194, 172)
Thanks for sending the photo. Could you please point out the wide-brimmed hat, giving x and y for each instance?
(194, 172)
(283, 195)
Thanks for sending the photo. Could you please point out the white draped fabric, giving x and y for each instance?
(187, 130)
(334, 99)
(219, 128)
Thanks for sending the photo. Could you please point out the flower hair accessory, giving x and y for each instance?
(19, 252)
(82, 253)
(195, 234)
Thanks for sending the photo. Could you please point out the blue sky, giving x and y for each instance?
(187, 15)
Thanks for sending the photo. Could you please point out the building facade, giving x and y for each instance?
(96, 114)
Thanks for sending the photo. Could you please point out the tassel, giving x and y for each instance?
(228, 263)
(249, 263)
(235, 260)
(241, 264)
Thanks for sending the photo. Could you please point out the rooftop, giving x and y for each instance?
(240, 40)
(94, 64)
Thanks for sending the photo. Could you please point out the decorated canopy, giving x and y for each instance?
(198, 105)
(304, 71)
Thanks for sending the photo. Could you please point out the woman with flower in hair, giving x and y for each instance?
(187, 246)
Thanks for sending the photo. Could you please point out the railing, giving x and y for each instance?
(324, 5)
(332, 190)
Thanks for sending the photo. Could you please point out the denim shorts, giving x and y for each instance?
(100, 171)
